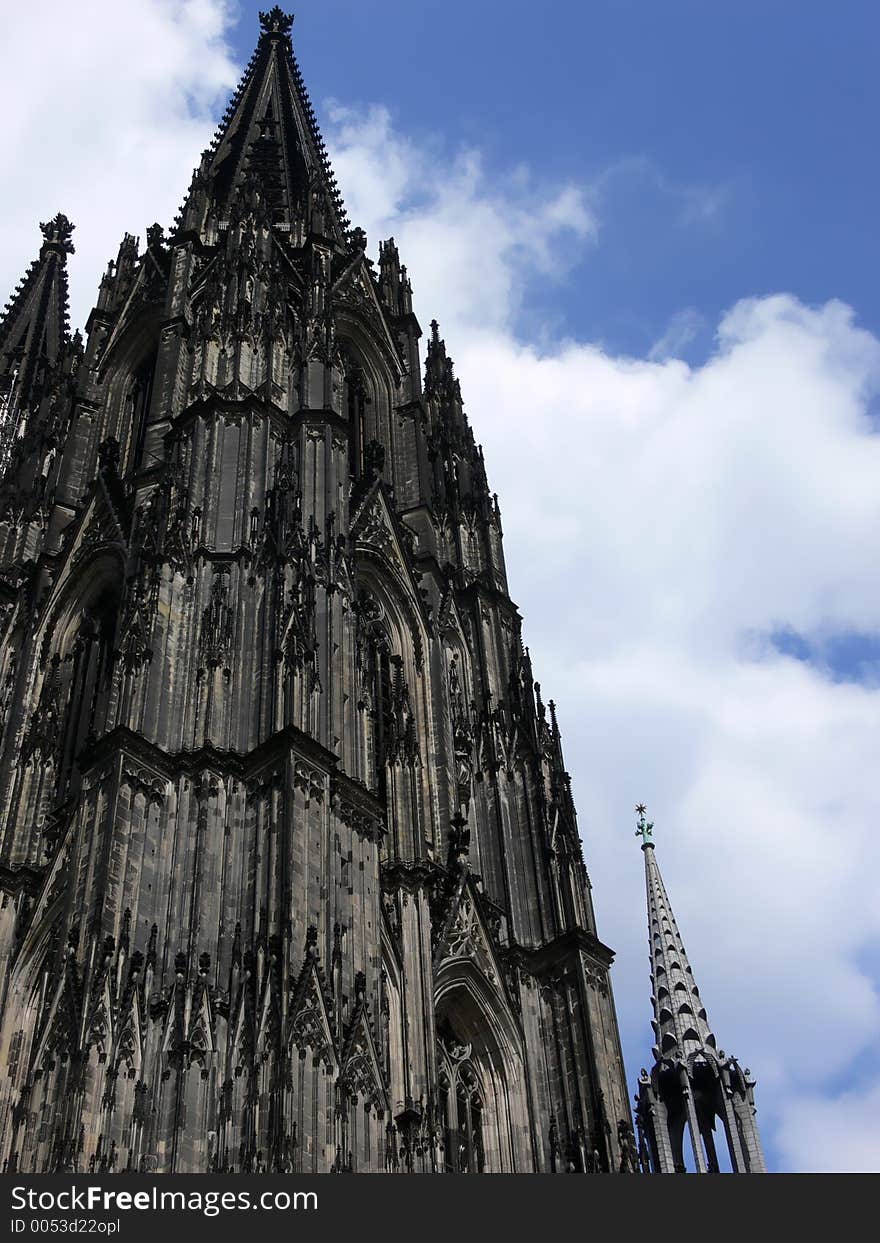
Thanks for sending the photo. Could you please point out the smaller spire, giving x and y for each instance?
(438, 367)
(692, 1082)
(394, 285)
(34, 328)
(680, 1023)
(440, 378)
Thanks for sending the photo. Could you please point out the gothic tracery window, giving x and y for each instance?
(384, 694)
(136, 410)
(383, 670)
(90, 661)
(461, 1106)
(11, 426)
(73, 692)
(356, 398)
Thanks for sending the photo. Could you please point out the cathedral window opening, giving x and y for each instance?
(462, 1106)
(357, 419)
(230, 443)
(86, 671)
(137, 409)
(385, 667)
(10, 428)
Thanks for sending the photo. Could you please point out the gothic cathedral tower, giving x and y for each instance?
(291, 878)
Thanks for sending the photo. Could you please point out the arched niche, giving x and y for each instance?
(128, 374)
(365, 386)
(72, 683)
(481, 1098)
(391, 639)
(392, 1025)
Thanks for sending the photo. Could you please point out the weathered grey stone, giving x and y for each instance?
(290, 868)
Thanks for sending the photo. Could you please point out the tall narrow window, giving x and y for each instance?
(469, 1107)
(9, 422)
(357, 424)
(228, 486)
(447, 1121)
(137, 411)
(461, 1105)
(465, 1139)
(91, 659)
(383, 692)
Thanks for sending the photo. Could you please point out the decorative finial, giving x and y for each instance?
(276, 22)
(155, 237)
(57, 233)
(646, 827)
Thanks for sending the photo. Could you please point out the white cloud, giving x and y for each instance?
(681, 330)
(843, 1127)
(471, 240)
(106, 109)
(661, 522)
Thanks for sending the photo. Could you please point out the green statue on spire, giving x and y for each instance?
(646, 827)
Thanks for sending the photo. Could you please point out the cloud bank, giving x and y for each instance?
(665, 525)
(107, 107)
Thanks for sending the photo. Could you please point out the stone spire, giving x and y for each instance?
(692, 1082)
(36, 358)
(680, 1022)
(269, 140)
(460, 486)
(34, 326)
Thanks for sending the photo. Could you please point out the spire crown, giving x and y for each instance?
(269, 133)
(57, 233)
(276, 22)
(646, 827)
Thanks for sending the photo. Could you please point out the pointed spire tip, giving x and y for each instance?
(276, 21)
(645, 828)
(57, 232)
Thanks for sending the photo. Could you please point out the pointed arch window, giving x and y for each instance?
(462, 1106)
(470, 1154)
(390, 734)
(384, 668)
(356, 397)
(11, 428)
(72, 700)
(91, 658)
(137, 409)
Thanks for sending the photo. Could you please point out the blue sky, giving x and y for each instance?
(650, 235)
(735, 138)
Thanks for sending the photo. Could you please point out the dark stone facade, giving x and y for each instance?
(291, 878)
